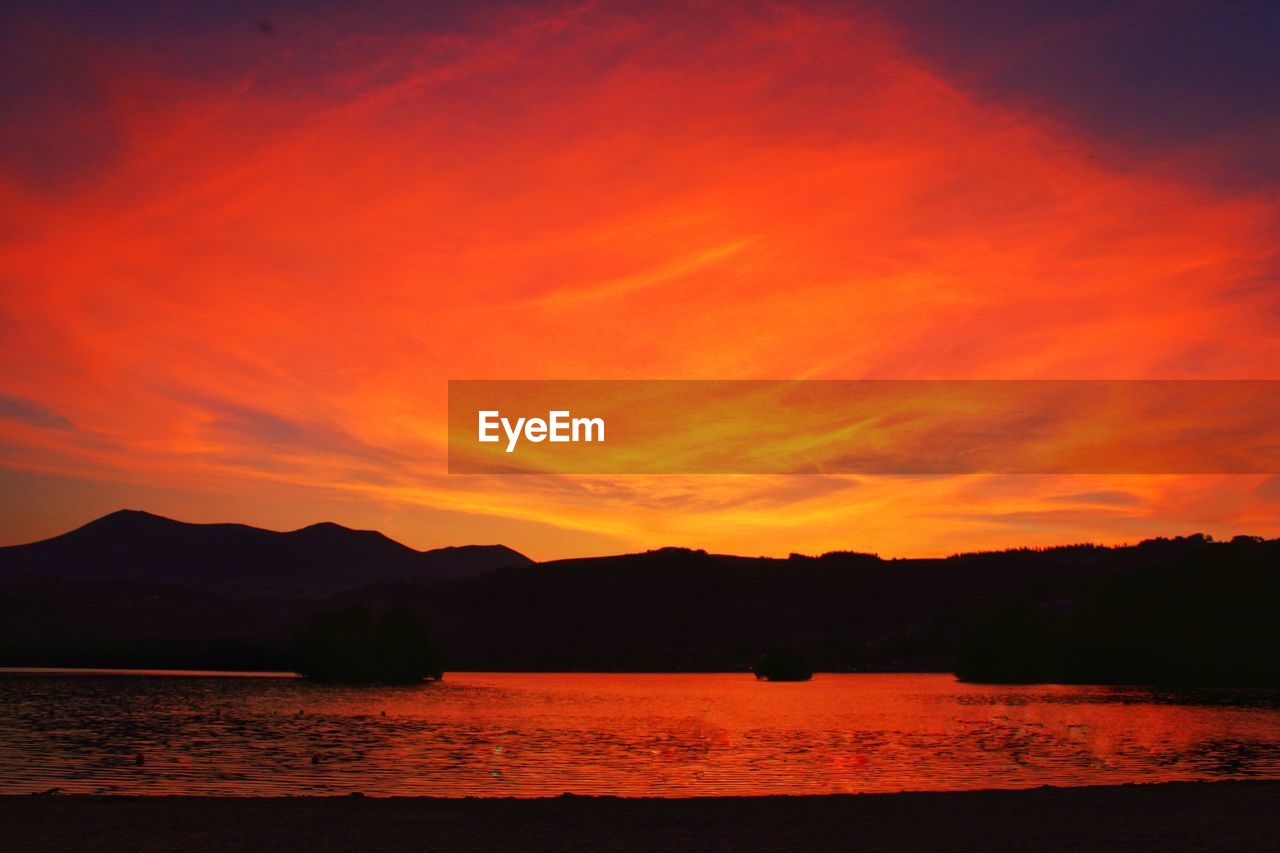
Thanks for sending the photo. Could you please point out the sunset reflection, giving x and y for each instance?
(629, 735)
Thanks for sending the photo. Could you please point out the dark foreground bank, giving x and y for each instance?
(1176, 816)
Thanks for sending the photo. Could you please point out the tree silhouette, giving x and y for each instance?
(350, 645)
(783, 664)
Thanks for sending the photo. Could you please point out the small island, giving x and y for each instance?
(783, 665)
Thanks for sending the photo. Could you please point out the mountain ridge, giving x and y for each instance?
(1185, 608)
(323, 558)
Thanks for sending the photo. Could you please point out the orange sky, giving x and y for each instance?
(242, 298)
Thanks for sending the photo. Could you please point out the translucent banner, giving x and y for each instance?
(907, 427)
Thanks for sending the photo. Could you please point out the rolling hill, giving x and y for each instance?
(136, 590)
(136, 546)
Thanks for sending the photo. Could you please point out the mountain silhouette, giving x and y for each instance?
(136, 590)
(1185, 610)
(136, 546)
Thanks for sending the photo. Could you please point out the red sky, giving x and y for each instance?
(239, 266)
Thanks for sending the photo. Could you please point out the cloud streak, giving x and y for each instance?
(319, 228)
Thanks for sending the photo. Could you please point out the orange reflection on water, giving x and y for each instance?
(631, 735)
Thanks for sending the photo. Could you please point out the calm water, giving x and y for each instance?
(657, 735)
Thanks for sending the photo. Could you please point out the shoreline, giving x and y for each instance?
(1170, 816)
(144, 672)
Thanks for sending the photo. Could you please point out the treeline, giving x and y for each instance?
(352, 645)
(1211, 617)
(1176, 611)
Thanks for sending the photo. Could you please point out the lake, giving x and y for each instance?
(507, 734)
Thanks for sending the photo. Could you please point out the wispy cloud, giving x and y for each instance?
(317, 229)
(33, 413)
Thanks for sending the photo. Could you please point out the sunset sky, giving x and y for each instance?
(244, 246)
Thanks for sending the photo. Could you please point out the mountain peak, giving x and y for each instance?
(127, 518)
(131, 513)
(329, 527)
(131, 544)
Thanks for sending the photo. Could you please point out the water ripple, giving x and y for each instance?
(656, 735)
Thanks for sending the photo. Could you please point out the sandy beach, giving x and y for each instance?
(1177, 816)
